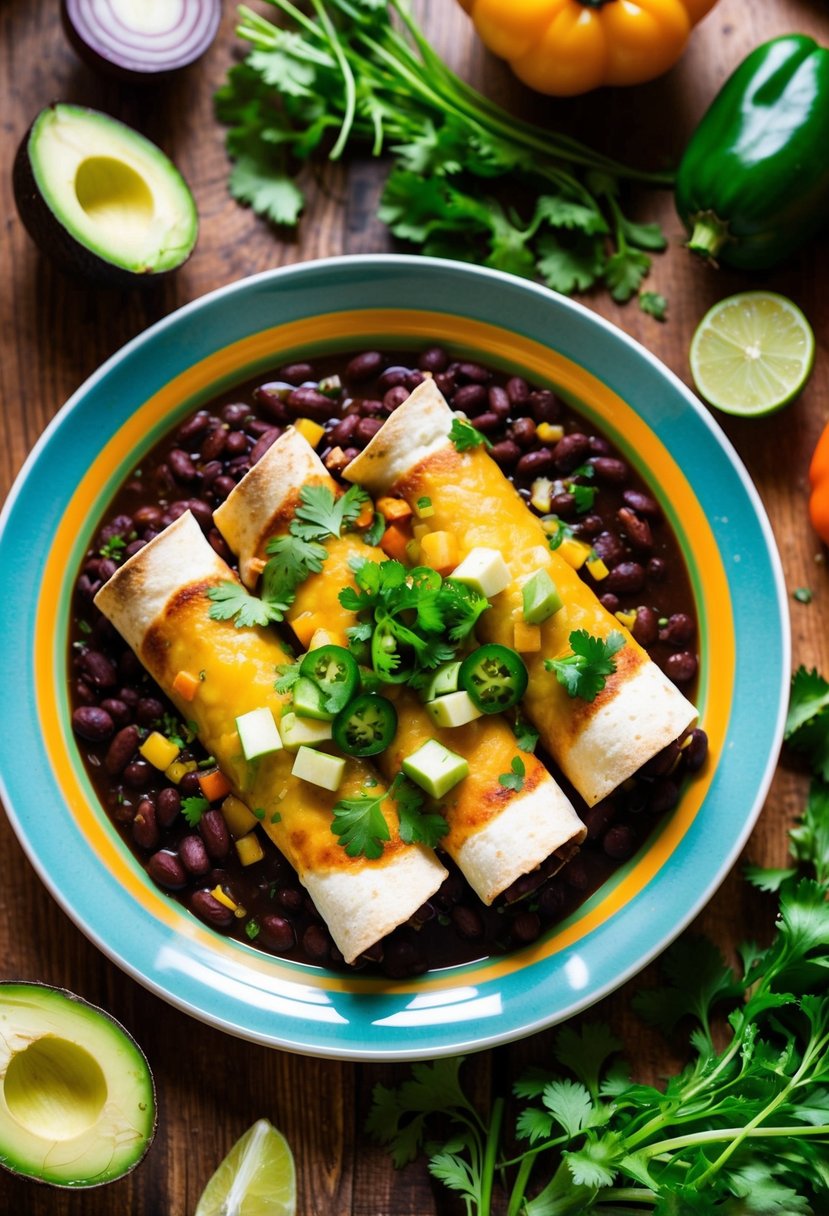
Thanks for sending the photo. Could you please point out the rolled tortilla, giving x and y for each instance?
(597, 744)
(496, 835)
(157, 602)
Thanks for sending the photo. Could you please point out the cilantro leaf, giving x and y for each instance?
(270, 193)
(361, 825)
(654, 304)
(416, 825)
(232, 602)
(514, 780)
(584, 672)
(526, 736)
(465, 436)
(291, 559)
(808, 698)
(625, 270)
(321, 513)
(193, 808)
(288, 674)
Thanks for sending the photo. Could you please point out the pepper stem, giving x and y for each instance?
(709, 235)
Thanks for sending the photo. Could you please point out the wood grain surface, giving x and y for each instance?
(54, 332)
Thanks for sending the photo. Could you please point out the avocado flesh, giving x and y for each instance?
(77, 1101)
(101, 199)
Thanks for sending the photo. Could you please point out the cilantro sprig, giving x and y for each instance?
(410, 620)
(360, 74)
(514, 779)
(319, 515)
(362, 828)
(584, 672)
(465, 436)
(741, 1128)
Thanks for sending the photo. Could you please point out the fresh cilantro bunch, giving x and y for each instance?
(292, 557)
(361, 72)
(584, 672)
(410, 620)
(741, 1130)
(362, 828)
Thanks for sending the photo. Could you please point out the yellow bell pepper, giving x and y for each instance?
(564, 47)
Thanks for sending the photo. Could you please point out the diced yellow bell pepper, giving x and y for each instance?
(575, 552)
(598, 570)
(541, 494)
(627, 619)
(249, 849)
(239, 818)
(159, 750)
(223, 898)
(440, 551)
(310, 430)
(549, 432)
(175, 771)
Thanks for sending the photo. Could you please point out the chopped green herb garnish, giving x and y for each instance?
(232, 602)
(252, 929)
(654, 304)
(584, 672)
(361, 825)
(526, 736)
(113, 548)
(259, 812)
(288, 675)
(803, 595)
(465, 436)
(276, 817)
(84, 627)
(374, 533)
(193, 809)
(514, 780)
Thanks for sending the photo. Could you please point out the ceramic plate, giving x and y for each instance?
(351, 303)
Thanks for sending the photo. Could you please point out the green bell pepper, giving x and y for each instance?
(753, 182)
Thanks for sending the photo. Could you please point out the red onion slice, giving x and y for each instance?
(141, 38)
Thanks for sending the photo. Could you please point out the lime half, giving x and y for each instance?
(256, 1178)
(752, 353)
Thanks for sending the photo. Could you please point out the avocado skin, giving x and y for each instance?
(53, 240)
(34, 986)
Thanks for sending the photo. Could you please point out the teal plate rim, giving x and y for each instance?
(463, 1009)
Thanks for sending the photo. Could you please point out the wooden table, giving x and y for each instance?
(55, 332)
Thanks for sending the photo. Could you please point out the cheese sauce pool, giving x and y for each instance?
(557, 462)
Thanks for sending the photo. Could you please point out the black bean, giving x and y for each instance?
(145, 831)
(619, 842)
(681, 666)
(575, 874)
(343, 431)
(121, 526)
(636, 528)
(657, 569)
(610, 548)
(316, 942)
(167, 805)
(214, 833)
(625, 579)
(148, 516)
(433, 359)
(535, 464)
(212, 911)
(92, 723)
(392, 377)
(517, 390)
(506, 453)
(297, 373)
(121, 750)
(98, 669)
(473, 373)
(526, 927)
(522, 431)
(372, 407)
(189, 786)
(570, 451)
(129, 668)
(642, 504)
(498, 402)
(224, 484)
(193, 427)
(236, 443)
(487, 423)
(235, 414)
(403, 957)
(219, 545)
(610, 601)
(599, 446)
(271, 398)
(148, 711)
(165, 869)
(366, 429)
(276, 933)
(598, 818)
(446, 382)
(364, 366)
(181, 466)
(256, 453)
(663, 761)
(137, 774)
(395, 397)
(664, 796)
(471, 398)
(589, 526)
(696, 750)
(552, 899)
(646, 626)
(193, 854)
(563, 504)
(544, 405)
(308, 402)
(609, 470)
(290, 898)
(679, 629)
(84, 693)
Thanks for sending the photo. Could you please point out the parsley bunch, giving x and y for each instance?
(741, 1130)
(411, 620)
(361, 826)
(362, 72)
(320, 515)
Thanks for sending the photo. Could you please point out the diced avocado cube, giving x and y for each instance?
(308, 700)
(319, 768)
(444, 680)
(434, 768)
(455, 709)
(484, 570)
(258, 733)
(541, 598)
(297, 732)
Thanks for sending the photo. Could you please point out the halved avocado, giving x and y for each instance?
(77, 1099)
(100, 199)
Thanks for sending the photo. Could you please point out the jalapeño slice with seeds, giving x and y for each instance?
(494, 676)
(335, 672)
(366, 726)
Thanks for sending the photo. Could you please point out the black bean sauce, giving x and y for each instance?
(551, 454)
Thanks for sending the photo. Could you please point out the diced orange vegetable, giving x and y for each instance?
(366, 516)
(393, 508)
(526, 638)
(440, 551)
(310, 430)
(306, 625)
(214, 785)
(186, 685)
(394, 541)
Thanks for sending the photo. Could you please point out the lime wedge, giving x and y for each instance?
(752, 353)
(256, 1178)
